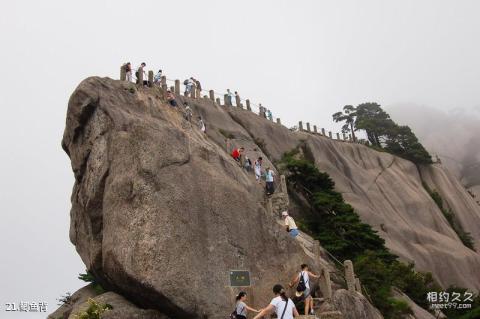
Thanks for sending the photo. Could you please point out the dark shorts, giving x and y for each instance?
(173, 103)
(241, 317)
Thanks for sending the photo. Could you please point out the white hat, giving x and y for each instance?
(284, 213)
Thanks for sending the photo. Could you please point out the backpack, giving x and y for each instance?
(301, 287)
(233, 315)
(185, 82)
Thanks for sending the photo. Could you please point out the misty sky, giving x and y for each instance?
(302, 59)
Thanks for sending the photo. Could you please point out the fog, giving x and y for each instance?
(452, 134)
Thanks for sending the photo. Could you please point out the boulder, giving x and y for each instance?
(160, 212)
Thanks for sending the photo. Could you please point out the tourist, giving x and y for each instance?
(236, 153)
(201, 125)
(281, 305)
(140, 70)
(188, 86)
(242, 157)
(241, 307)
(258, 169)
(236, 95)
(269, 186)
(128, 71)
(290, 225)
(248, 164)
(171, 98)
(229, 98)
(269, 115)
(188, 112)
(198, 84)
(302, 280)
(158, 77)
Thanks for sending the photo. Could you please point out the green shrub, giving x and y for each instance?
(464, 236)
(94, 310)
(89, 277)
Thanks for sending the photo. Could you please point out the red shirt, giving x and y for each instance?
(235, 153)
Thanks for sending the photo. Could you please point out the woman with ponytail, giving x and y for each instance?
(281, 304)
(241, 307)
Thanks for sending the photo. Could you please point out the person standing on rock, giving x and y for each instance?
(140, 70)
(248, 164)
(229, 98)
(269, 115)
(188, 112)
(236, 95)
(302, 280)
(241, 307)
(158, 77)
(292, 228)
(269, 186)
(128, 71)
(171, 98)
(258, 169)
(198, 84)
(281, 305)
(237, 153)
(188, 86)
(201, 125)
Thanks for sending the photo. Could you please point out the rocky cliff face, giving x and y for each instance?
(161, 213)
(388, 194)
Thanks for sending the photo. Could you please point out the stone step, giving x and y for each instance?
(330, 315)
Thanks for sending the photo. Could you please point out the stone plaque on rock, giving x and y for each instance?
(239, 278)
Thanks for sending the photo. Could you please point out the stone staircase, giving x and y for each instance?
(275, 205)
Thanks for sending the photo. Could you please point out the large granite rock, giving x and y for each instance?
(387, 193)
(354, 306)
(160, 212)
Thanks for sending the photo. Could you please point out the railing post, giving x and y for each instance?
(212, 95)
(123, 73)
(283, 184)
(344, 136)
(269, 206)
(249, 108)
(323, 131)
(225, 100)
(172, 89)
(163, 80)
(300, 126)
(338, 136)
(349, 275)
(350, 137)
(326, 284)
(308, 127)
(218, 101)
(315, 129)
(150, 78)
(330, 134)
(177, 87)
(358, 286)
(279, 121)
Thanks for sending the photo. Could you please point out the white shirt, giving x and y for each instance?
(269, 176)
(290, 222)
(306, 278)
(279, 305)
